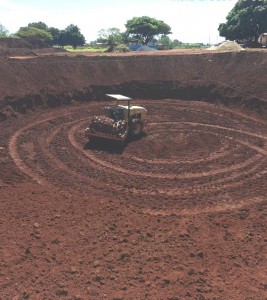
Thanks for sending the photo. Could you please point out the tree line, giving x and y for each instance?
(71, 35)
(246, 21)
(139, 29)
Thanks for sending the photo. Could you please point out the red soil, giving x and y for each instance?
(177, 214)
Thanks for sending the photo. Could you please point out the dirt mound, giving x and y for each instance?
(31, 43)
(26, 46)
(146, 48)
(230, 46)
(14, 43)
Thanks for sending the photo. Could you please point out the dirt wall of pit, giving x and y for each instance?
(229, 78)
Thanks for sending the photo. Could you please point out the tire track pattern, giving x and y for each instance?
(194, 154)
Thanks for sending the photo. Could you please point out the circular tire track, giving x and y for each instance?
(195, 158)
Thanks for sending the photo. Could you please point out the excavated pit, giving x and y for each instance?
(229, 78)
(177, 214)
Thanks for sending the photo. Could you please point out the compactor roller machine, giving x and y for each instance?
(119, 122)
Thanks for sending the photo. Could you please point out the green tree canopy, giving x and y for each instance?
(69, 36)
(3, 31)
(32, 32)
(40, 25)
(145, 28)
(166, 41)
(112, 37)
(62, 38)
(247, 20)
(73, 36)
(55, 32)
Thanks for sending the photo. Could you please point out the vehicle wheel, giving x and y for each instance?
(136, 127)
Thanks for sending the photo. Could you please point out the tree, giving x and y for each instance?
(74, 36)
(145, 28)
(246, 21)
(62, 38)
(40, 25)
(112, 37)
(32, 32)
(166, 41)
(55, 32)
(3, 31)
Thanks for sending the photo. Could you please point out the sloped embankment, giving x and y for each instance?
(228, 78)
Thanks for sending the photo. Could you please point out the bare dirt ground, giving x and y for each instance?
(177, 214)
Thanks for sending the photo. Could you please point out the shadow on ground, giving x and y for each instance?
(112, 147)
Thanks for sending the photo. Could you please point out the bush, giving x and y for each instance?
(121, 48)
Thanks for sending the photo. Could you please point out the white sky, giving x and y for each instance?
(190, 20)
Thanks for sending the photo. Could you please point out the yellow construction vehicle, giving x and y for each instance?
(119, 122)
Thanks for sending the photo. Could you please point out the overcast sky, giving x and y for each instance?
(190, 20)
